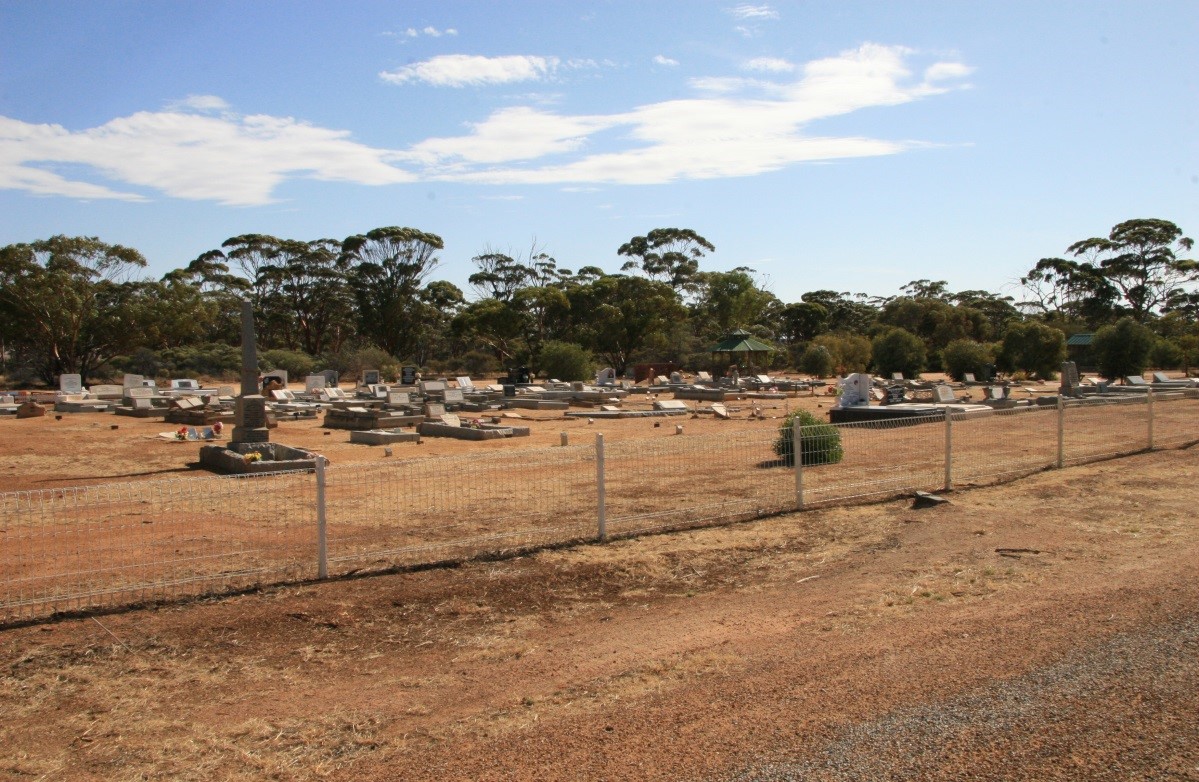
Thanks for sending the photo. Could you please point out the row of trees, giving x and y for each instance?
(77, 304)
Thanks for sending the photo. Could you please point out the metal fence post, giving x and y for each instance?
(948, 450)
(1149, 402)
(601, 499)
(1061, 432)
(322, 541)
(797, 457)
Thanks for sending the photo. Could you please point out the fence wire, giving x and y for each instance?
(75, 549)
(94, 547)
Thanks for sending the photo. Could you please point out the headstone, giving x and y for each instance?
(943, 395)
(606, 377)
(30, 409)
(141, 392)
(70, 384)
(1135, 380)
(968, 377)
(379, 390)
(331, 376)
(453, 396)
(896, 395)
(1162, 377)
(855, 390)
(185, 385)
(465, 383)
(432, 387)
(434, 410)
(313, 382)
(408, 376)
(1070, 382)
(132, 381)
(371, 377)
(449, 419)
(398, 398)
(720, 411)
(107, 391)
(897, 376)
(676, 378)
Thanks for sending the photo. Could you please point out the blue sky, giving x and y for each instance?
(844, 145)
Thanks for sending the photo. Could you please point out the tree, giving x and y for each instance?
(802, 321)
(817, 361)
(728, 300)
(898, 350)
(1122, 349)
(565, 361)
(64, 302)
(1133, 270)
(850, 352)
(1033, 347)
(307, 295)
(386, 267)
(670, 255)
(615, 316)
(847, 312)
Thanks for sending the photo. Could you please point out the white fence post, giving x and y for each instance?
(948, 450)
(797, 456)
(322, 541)
(601, 499)
(1149, 402)
(1061, 432)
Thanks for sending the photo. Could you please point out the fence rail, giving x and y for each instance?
(97, 547)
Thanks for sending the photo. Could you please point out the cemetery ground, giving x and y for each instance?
(1046, 628)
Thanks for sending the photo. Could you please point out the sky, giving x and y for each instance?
(852, 146)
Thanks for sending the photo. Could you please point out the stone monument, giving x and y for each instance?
(855, 391)
(250, 424)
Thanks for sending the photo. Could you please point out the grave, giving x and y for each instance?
(313, 383)
(672, 407)
(943, 395)
(1070, 382)
(70, 384)
(357, 418)
(30, 409)
(385, 436)
(855, 391)
(451, 426)
(408, 375)
(606, 377)
(250, 449)
(371, 377)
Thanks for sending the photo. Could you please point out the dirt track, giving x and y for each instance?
(867, 643)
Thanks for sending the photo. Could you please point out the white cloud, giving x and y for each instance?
(660, 59)
(732, 127)
(747, 11)
(235, 160)
(460, 70)
(769, 65)
(430, 31)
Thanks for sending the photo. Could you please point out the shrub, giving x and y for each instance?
(1034, 348)
(1166, 354)
(297, 364)
(349, 363)
(820, 441)
(966, 355)
(477, 363)
(817, 361)
(850, 352)
(565, 361)
(898, 350)
(1122, 349)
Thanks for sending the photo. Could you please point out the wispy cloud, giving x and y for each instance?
(199, 148)
(769, 65)
(431, 32)
(755, 12)
(462, 70)
(660, 59)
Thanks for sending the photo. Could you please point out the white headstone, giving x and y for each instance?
(132, 381)
(464, 382)
(313, 382)
(453, 396)
(855, 390)
(944, 395)
(606, 377)
(70, 384)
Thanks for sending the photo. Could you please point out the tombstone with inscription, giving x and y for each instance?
(896, 395)
(606, 377)
(855, 390)
(408, 376)
(943, 395)
(371, 377)
(70, 384)
(313, 382)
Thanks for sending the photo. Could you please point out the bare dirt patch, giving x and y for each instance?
(1043, 629)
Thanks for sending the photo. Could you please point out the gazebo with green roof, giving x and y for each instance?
(740, 346)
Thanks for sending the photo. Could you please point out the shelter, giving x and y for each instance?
(740, 348)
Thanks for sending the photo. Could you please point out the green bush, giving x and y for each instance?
(349, 362)
(1166, 354)
(898, 350)
(966, 355)
(850, 352)
(565, 361)
(297, 364)
(1123, 349)
(1034, 348)
(820, 441)
(817, 361)
(478, 363)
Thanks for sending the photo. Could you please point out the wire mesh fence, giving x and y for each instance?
(95, 547)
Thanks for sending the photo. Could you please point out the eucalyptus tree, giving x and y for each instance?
(669, 255)
(615, 316)
(307, 295)
(386, 268)
(66, 303)
(1134, 270)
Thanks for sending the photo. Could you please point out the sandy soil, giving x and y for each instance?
(1043, 629)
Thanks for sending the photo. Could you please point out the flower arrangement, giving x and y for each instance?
(251, 457)
(217, 427)
(181, 433)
